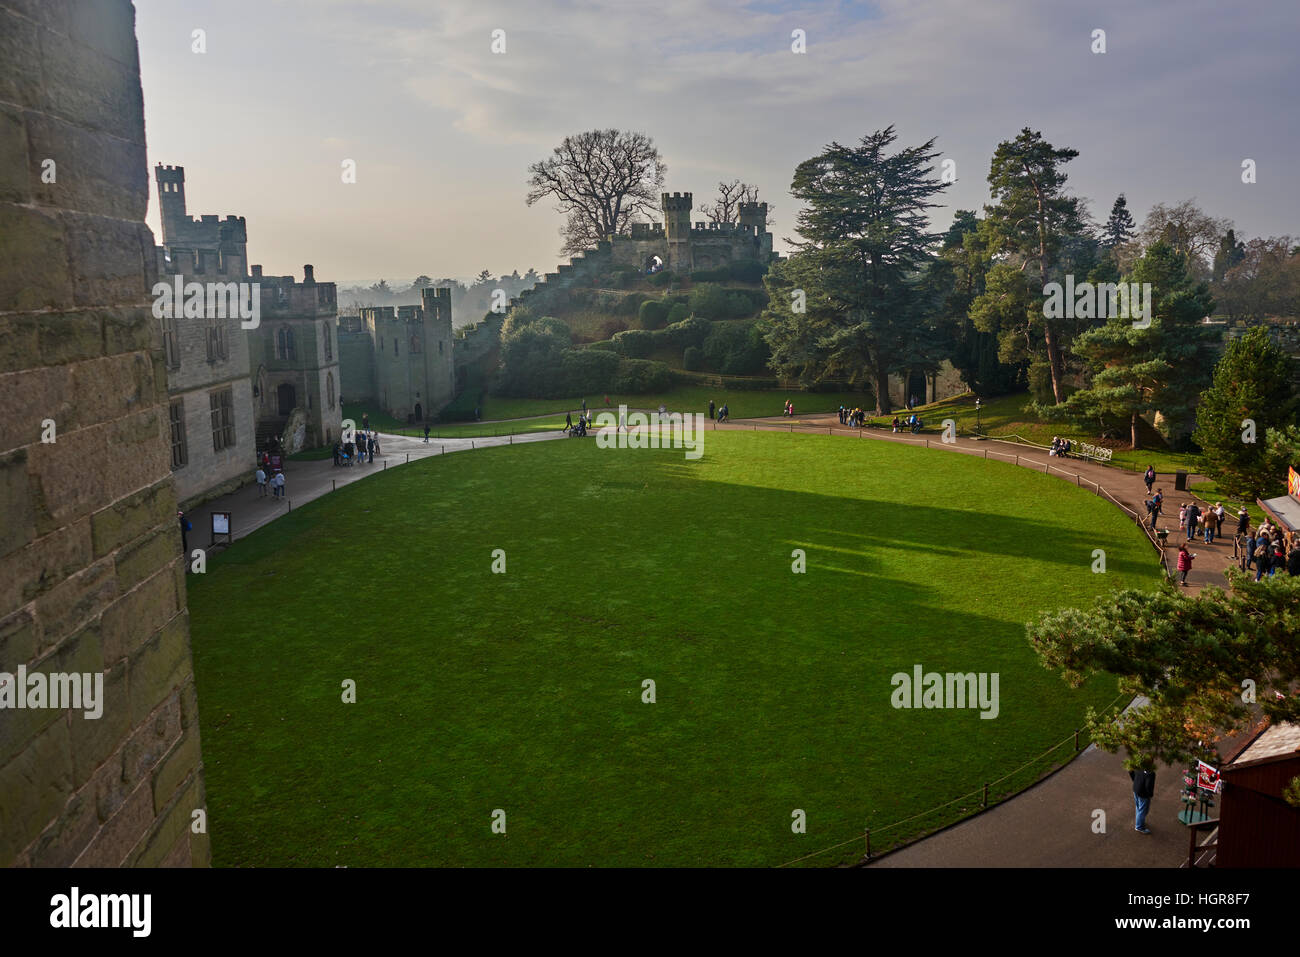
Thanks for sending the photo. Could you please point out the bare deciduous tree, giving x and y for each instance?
(726, 209)
(601, 180)
(1189, 229)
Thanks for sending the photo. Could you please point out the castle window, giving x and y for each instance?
(222, 406)
(171, 348)
(284, 347)
(176, 416)
(329, 341)
(395, 352)
(415, 345)
(329, 389)
(439, 347)
(217, 342)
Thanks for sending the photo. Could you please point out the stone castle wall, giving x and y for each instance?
(91, 576)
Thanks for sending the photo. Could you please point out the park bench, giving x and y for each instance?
(1093, 453)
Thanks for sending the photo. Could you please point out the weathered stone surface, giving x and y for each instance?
(171, 825)
(15, 185)
(130, 517)
(90, 89)
(139, 560)
(70, 337)
(62, 841)
(19, 637)
(135, 617)
(19, 527)
(36, 784)
(106, 257)
(130, 330)
(34, 570)
(20, 49)
(160, 668)
(20, 344)
(115, 840)
(45, 395)
(112, 185)
(126, 456)
(107, 26)
(177, 768)
(35, 272)
(95, 740)
(72, 603)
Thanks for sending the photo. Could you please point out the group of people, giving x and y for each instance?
(910, 424)
(724, 414)
(363, 449)
(789, 408)
(269, 477)
(1061, 447)
(854, 416)
(583, 423)
(1267, 548)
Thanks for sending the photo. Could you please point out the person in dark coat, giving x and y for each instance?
(1150, 477)
(1144, 786)
(711, 408)
(185, 529)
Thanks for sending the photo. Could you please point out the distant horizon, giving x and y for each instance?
(442, 130)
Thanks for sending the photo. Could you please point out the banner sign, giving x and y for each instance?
(1207, 778)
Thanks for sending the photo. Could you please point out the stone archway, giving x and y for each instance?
(419, 413)
(286, 399)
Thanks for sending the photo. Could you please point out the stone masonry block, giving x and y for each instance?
(36, 785)
(15, 185)
(34, 269)
(107, 259)
(130, 517)
(19, 526)
(159, 668)
(134, 618)
(94, 172)
(34, 570)
(90, 89)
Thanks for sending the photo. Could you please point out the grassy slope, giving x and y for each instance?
(523, 691)
(1009, 414)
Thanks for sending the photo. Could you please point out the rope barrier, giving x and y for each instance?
(962, 797)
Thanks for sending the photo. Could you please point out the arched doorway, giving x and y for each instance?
(285, 396)
(419, 413)
(916, 388)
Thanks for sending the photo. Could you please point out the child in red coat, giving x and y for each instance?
(1184, 562)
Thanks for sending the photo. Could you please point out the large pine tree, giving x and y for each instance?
(1160, 368)
(1252, 384)
(1032, 216)
(865, 242)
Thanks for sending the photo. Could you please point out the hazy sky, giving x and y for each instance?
(442, 129)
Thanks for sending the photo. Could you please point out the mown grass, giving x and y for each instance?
(523, 691)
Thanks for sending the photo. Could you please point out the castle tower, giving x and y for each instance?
(754, 214)
(677, 230)
(171, 200)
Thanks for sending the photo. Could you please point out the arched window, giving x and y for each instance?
(329, 340)
(329, 389)
(284, 348)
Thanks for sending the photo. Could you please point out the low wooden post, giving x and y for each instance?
(868, 843)
(1076, 739)
(985, 802)
(408, 458)
(334, 485)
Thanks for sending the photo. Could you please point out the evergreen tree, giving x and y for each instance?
(1187, 656)
(1031, 216)
(1120, 227)
(865, 243)
(1251, 382)
(1162, 367)
(1230, 252)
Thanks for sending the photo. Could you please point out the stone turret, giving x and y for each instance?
(677, 229)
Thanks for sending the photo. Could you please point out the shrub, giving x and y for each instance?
(631, 304)
(634, 343)
(641, 375)
(735, 348)
(689, 332)
(709, 301)
(678, 312)
(653, 314)
(693, 359)
(660, 278)
(587, 370)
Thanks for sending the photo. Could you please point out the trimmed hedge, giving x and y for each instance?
(634, 343)
(654, 314)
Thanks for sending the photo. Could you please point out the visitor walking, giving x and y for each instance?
(1220, 513)
(711, 410)
(186, 526)
(1144, 788)
(426, 433)
(1150, 477)
(277, 484)
(1184, 562)
(261, 477)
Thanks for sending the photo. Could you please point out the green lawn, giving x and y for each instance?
(523, 691)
